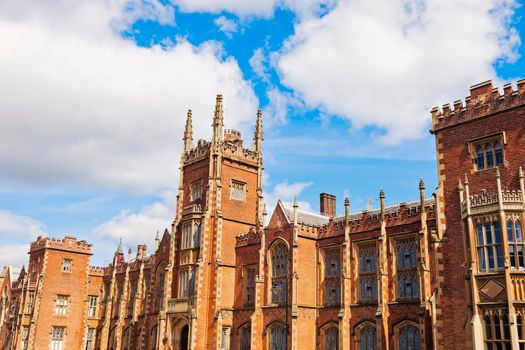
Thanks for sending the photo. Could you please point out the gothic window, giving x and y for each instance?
(367, 273)
(196, 190)
(250, 285)
(278, 337)
(332, 277)
(409, 338)
(497, 330)
(186, 235)
(25, 338)
(191, 286)
(488, 153)
(246, 336)
(132, 295)
(153, 337)
(57, 338)
(521, 330)
(331, 339)
(367, 337)
(407, 279)
(238, 190)
(183, 283)
(225, 338)
(66, 265)
(279, 286)
(30, 302)
(61, 305)
(196, 234)
(160, 287)
(490, 251)
(90, 339)
(516, 244)
(92, 306)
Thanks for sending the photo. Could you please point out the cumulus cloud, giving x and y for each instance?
(386, 63)
(287, 192)
(255, 8)
(83, 106)
(226, 25)
(140, 226)
(16, 231)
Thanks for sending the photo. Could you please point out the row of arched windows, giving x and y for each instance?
(407, 337)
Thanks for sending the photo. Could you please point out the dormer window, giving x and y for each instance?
(487, 153)
(238, 190)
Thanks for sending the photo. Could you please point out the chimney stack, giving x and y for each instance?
(328, 204)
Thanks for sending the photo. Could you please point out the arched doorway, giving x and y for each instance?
(184, 338)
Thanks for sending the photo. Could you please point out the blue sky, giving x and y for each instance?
(94, 94)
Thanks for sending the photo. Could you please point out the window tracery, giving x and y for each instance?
(332, 277)
(407, 278)
(490, 250)
(368, 273)
(279, 255)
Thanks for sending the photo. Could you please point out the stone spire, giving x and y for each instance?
(188, 133)
(382, 203)
(258, 133)
(119, 248)
(157, 240)
(218, 121)
(295, 213)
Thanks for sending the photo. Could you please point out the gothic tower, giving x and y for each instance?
(220, 196)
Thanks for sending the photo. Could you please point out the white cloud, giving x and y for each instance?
(226, 25)
(141, 226)
(16, 232)
(255, 8)
(14, 226)
(14, 254)
(386, 63)
(287, 192)
(83, 106)
(258, 64)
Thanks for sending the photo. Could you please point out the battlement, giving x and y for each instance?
(231, 135)
(96, 270)
(484, 99)
(248, 238)
(68, 243)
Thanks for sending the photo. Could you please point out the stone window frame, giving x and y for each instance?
(496, 319)
(30, 302)
(241, 335)
(398, 329)
(520, 324)
(238, 190)
(58, 337)
(196, 190)
(25, 337)
(487, 247)
(515, 241)
(160, 282)
(62, 305)
(492, 140)
(332, 279)
(226, 337)
(412, 271)
(90, 338)
(358, 333)
(92, 306)
(183, 284)
(371, 275)
(191, 234)
(269, 332)
(249, 284)
(323, 335)
(283, 245)
(67, 265)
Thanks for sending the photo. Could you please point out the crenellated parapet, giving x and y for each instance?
(248, 238)
(68, 243)
(484, 100)
(198, 153)
(97, 270)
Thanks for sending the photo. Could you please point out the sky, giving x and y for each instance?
(94, 94)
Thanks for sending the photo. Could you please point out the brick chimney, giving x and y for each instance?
(327, 204)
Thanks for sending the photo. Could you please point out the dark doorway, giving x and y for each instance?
(184, 338)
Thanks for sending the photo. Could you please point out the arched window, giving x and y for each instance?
(332, 276)
(516, 244)
(279, 256)
(367, 273)
(367, 337)
(278, 337)
(489, 154)
(479, 158)
(409, 338)
(245, 334)
(331, 339)
(160, 287)
(498, 151)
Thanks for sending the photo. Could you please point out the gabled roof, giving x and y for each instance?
(304, 217)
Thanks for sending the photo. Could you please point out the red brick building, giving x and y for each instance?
(442, 272)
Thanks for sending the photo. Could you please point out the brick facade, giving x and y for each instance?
(407, 276)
